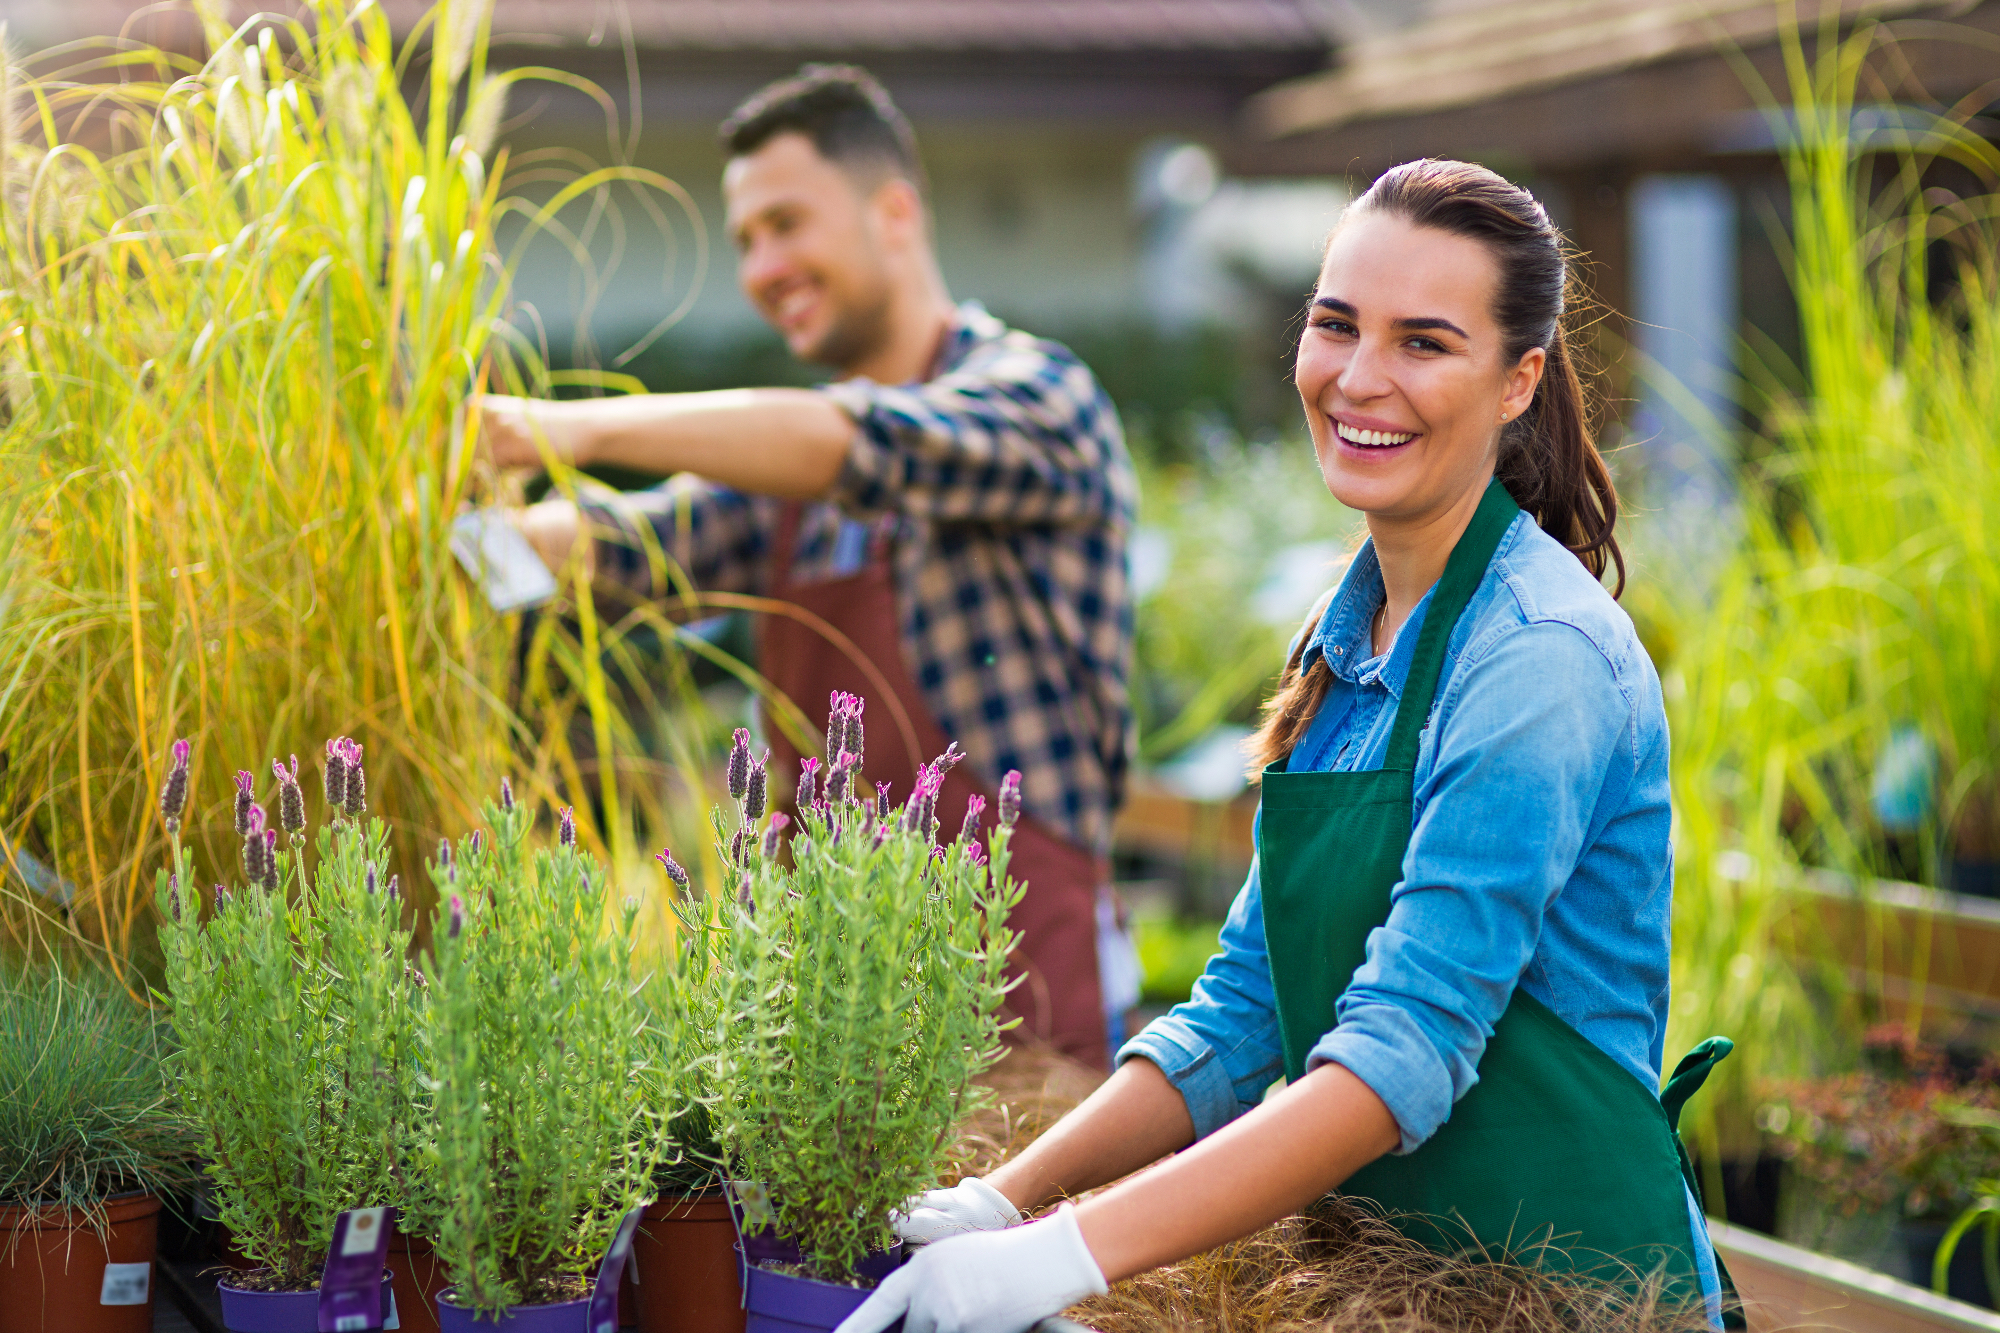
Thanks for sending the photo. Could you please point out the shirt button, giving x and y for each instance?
(1338, 651)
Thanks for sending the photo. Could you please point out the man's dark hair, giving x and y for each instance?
(846, 114)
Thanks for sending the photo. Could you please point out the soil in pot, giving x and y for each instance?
(59, 1276)
(418, 1275)
(565, 1316)
(248, 1311)
(688, 1270)
(1966, 1280)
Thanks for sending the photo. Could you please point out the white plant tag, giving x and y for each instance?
(755, 1201)
(126, 1284)
(362, 1231)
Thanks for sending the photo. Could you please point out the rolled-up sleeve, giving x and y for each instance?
(1221, 1049)
(1020, 432)
(717, 538)
(1503, 815)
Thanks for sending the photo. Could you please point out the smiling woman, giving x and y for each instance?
(1451, 955)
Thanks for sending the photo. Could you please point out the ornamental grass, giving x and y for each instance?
(242, 299)
(1831, 693)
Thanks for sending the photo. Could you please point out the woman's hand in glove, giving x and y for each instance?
(970, 1205)
(986, 1281)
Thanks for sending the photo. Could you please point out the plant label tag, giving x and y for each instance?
(350, 1290)
(126, 1284)
(753, 1201)
(604, 1296)
(495, 554)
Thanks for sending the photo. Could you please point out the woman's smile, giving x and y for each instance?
(1368, 435)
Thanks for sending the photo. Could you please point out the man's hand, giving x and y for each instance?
(515, 432)
(553, 528)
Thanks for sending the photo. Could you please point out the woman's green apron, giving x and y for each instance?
(1557, 1156)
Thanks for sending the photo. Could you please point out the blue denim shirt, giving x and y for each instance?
(1539, 854)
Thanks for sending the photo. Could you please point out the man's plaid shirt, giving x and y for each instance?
(1009, 495)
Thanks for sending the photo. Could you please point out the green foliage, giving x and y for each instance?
(297, 1015)
(1205, 654)
(535, 1049)
(858, 995)
(1172, 954)
(84, 1106)
(1864, 598)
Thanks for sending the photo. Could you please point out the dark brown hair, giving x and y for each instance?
(1548, 457)
(842, 109)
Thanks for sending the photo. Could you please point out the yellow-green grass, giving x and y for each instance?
(243, 301)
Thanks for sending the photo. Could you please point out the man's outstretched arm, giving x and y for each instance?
(789, 443)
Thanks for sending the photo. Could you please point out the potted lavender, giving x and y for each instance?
(858, 995)
(296, 1016)
(536, 1143)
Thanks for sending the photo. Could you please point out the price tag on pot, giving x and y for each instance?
(126, 1284)
(350, 1290)
(604, 1296)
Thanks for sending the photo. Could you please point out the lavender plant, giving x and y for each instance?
(534, 1036)
(296, 1013)
(858, 996)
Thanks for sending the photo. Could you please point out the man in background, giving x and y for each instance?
(946, 522)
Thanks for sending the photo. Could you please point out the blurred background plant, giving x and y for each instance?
(85, 1108)
(1831, 689)
(243, 299)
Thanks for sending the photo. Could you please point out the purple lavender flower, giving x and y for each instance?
(736, 848)
(506, 794)
(355, 799)
(334, 777)
(457, 916)
(566, 828)
(255, 849)
(1010, 798)
(773, 833)
(975, 854)
(395, 888)
(838, 779)
(368, 880)
(271, 860)
(808, 768)
(291, 801)
(174, 792)
(744, 898)
(854, 741)
(675, 872)
(444, 852)
(221, 897)
(477, 841)
(882, 801)
(950, 759)
(739, 765)
(246, 795)
(174, 895)
(753, 802)
(836, 724)
(968, 832)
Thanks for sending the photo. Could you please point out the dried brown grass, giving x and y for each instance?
(1339, 1268)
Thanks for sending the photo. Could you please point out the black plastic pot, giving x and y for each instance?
(1966, 1279)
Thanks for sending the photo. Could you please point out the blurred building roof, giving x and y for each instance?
(1413, 57)
(921, 25)
(803, 26)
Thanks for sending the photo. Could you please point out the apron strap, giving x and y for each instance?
(1690, 1074)
(1462, 575)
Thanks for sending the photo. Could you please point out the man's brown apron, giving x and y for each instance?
(1059, 1001)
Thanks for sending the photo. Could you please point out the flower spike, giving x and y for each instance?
(174, 793)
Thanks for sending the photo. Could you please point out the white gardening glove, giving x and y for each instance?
(970, 1205)
(986, 1281)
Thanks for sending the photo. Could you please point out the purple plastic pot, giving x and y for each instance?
(561, 1317)
(280, 1311)
(781, 1303)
